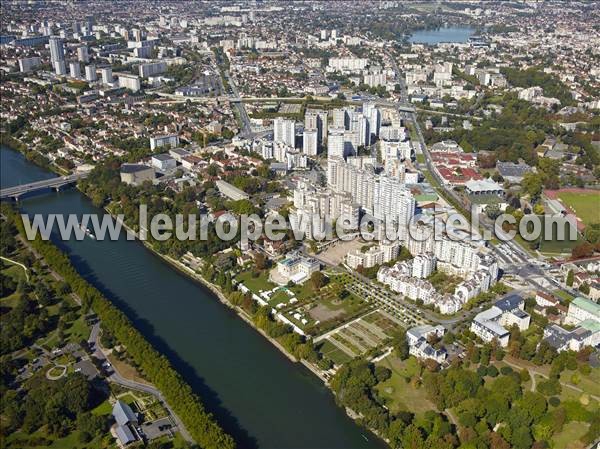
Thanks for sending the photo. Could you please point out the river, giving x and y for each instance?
(258, 395)
(452, 34)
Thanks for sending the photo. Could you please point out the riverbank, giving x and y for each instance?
(296, 385)
(199, 278)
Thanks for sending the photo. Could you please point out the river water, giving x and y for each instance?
(256, 393)
(452, 34)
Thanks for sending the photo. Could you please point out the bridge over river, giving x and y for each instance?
(52, 183)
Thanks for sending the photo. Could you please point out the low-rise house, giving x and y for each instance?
(179, 153)
(191, 161)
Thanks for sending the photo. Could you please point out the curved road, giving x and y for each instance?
(117, 378)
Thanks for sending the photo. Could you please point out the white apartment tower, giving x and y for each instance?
(57, 49)
(82, 54)
(90, 73)
(360, 125)
(335, 142)
(75, 70)
(373, 115)
(284, 131)
(317, 120)
(310, 142)
(107, 75)
(340, 118)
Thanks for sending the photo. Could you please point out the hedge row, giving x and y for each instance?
(187, 405)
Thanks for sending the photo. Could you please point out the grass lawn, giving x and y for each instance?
(176, 443)
(564, 295)
(585, 205)
(350, 304)
(334, 353)
(569, 437)
(10, 300)
(278, 297)
(103, 409)
(402, 395)
(303, 291)
(554, 246)
(568, 394)
(256, 284)
(590, 384)
(128, 398)
(14, 271)
(39, 440)
(126, 370)
(78, 330)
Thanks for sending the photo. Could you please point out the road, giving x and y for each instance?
(514, 255)
(117, 378)
(57, 182)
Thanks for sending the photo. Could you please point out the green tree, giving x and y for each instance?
(532, 184)
(318, 280)
(570, 278)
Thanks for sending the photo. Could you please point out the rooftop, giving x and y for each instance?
(588, 305)
(133, 168)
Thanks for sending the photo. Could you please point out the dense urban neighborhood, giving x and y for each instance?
(456, 143)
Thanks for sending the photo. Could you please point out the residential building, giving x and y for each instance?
(284, 131)
(348, 64)
(581, 309)
(107, 75)
(90, 73)
(163, 161)
(231, 191)
(494, 322)
(151, 69)
(310, 140)
(587, 333)
(418, 342)
(171, 140)
(28, 64)
(335, 143)
(297, 268)
(131, 82)
(82, 54)
(75, 70)
(375, 255)
(126, 422)
(57, 49)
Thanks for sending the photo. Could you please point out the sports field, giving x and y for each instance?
(586, 205)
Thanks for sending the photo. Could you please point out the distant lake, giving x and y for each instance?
(436, 36)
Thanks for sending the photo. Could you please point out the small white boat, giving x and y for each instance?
(87, 231)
